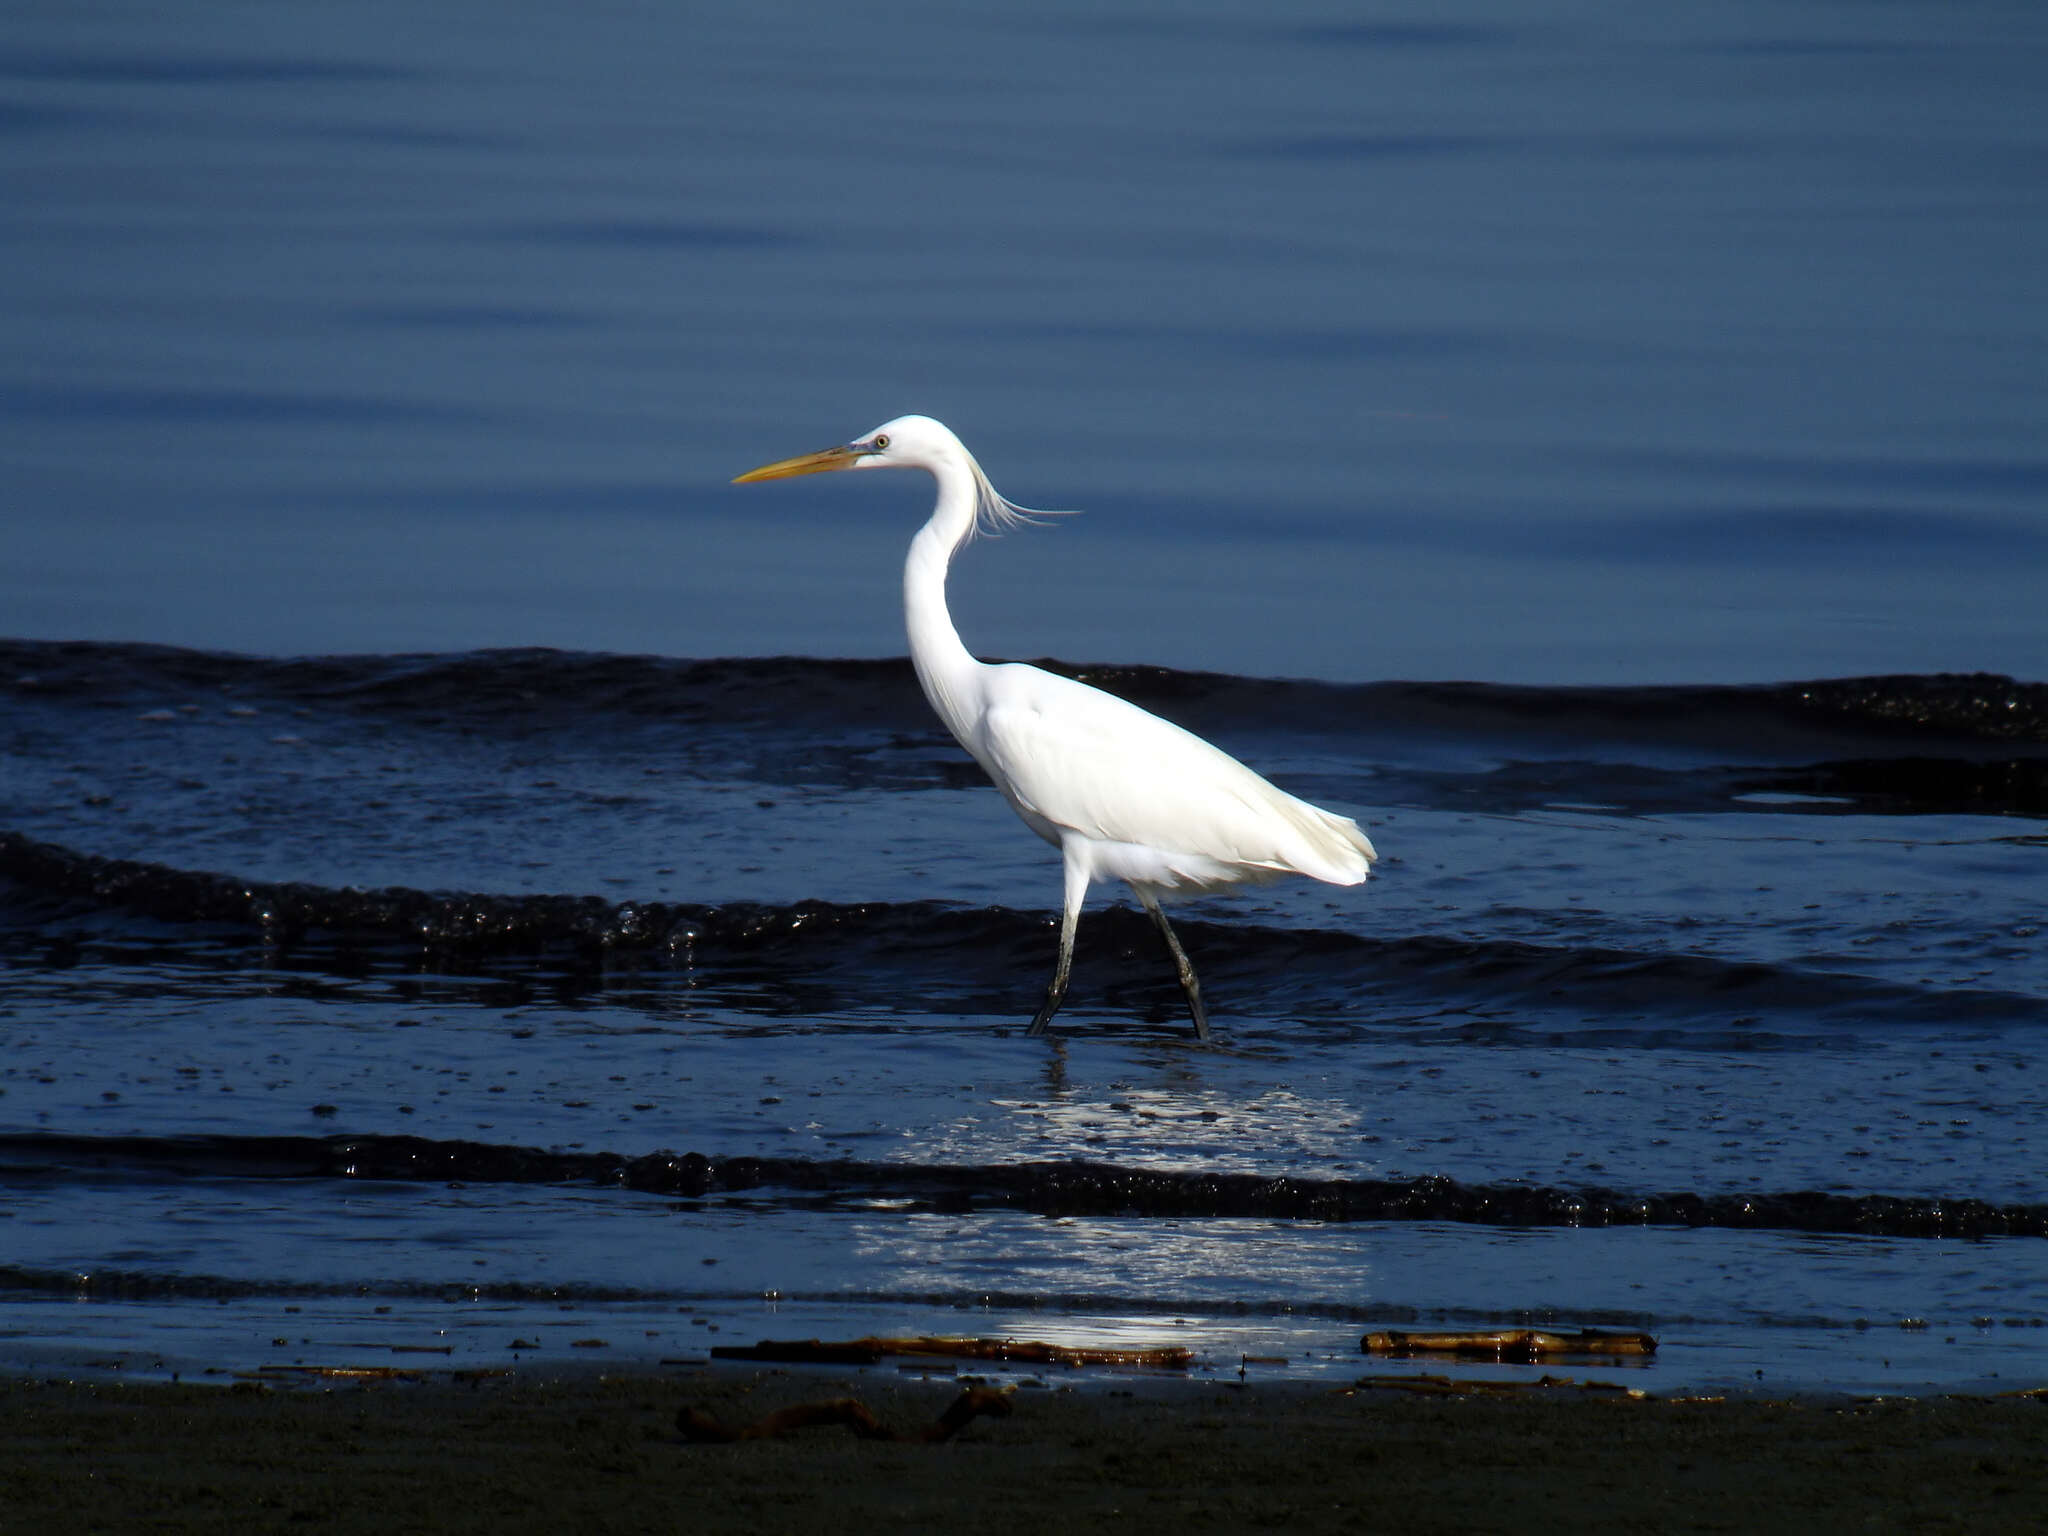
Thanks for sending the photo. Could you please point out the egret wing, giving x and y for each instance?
(1090, 763)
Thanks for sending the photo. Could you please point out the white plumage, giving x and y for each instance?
(1121, 793)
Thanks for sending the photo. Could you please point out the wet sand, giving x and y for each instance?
(594, 1453)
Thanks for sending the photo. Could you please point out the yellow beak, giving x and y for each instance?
(841, 457)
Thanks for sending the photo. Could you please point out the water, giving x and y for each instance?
(1668, 354)
(1592, 346)
(1631, 1026)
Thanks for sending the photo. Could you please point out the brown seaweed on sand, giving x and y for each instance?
(1516, 1344)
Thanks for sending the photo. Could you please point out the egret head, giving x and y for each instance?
(914, 442)
(908, 442)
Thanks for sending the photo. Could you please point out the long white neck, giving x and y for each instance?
(951, 677)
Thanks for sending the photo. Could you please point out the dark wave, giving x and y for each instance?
(477, 687)
(111, 1283)
(1040, 1188)
(1952, 708)
(106, 1283)
(869, 945)
(1888, 745)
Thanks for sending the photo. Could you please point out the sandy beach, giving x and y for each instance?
(597, 1453)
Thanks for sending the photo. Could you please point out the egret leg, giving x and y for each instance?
(1070, 921)
(1188, 983)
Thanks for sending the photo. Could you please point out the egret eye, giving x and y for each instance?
(881, 441)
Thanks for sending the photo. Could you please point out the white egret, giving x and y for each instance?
(1121, 793)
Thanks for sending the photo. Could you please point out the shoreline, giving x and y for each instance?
(587, 1450)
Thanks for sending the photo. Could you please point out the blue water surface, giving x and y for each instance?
(1563, 343)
